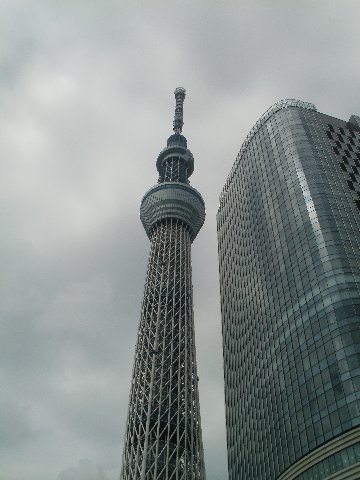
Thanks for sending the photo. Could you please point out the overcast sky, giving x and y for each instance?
(86, 99)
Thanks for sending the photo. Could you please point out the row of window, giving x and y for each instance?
(332, 464)
(291, 366)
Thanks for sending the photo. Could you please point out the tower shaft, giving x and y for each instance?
(163, 435)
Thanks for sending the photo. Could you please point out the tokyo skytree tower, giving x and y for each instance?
(163, 438)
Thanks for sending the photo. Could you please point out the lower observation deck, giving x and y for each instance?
(173, 200)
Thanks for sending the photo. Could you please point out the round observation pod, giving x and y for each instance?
(176, 148)
(172, 200)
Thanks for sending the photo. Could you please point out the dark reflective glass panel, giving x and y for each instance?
(289, 254)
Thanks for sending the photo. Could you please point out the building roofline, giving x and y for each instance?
(280, 105)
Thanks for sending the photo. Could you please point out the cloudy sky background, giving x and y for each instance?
(86, 96)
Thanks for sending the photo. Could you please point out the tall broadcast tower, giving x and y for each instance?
(163, 434)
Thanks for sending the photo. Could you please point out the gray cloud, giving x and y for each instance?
(86, 470)
(16, 428)
(86, 99)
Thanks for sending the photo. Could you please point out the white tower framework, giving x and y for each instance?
(163, 438)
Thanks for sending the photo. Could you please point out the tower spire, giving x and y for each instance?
(163, 439)
(178, 122)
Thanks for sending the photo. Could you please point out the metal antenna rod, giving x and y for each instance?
(179, 110)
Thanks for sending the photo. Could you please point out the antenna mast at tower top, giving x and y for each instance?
(179, 109)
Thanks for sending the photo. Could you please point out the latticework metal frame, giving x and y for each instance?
(163, 436)
(163, 439)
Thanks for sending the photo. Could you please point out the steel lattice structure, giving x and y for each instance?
(163, 438)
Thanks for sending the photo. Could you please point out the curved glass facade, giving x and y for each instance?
(289, 255)
(333, 464)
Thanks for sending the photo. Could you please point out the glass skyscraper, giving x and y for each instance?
(289, 254)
